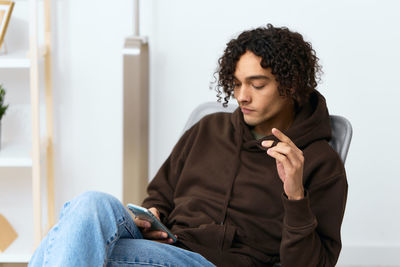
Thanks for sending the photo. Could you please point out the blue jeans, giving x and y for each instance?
(95, 229)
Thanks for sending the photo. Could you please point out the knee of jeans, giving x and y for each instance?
(93, 201)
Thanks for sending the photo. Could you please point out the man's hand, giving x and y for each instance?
(147, 233)
(289, 163)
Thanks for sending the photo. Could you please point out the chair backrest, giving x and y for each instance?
(342, 133)
(341, 127)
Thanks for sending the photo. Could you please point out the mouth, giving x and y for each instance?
(246, 110)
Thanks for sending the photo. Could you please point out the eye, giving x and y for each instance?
(258, 86)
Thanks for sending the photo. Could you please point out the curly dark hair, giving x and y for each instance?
(292, 60)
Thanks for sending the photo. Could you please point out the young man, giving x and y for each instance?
(252, 188)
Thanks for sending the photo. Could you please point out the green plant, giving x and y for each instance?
(3, 107)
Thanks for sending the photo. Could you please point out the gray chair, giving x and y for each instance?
(342, 133)
(341, 127)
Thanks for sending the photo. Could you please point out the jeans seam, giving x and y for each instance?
(127, 227)
(140, 263)
(49, 246)
(113, 241)
(51, 236)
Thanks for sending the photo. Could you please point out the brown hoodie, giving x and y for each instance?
(220, 193)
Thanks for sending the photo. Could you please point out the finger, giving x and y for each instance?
(267, 143)
(142, 223)
(155, 235)
(170, 241)
(295, 155)
(281, 159)
(165, 241)
(282, 137)
(155, 212)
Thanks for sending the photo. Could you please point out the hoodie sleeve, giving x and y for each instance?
(161, 188)
(311, 226)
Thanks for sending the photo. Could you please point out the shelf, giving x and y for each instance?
(15, 155)
(20, 59)
(15, 60)
(14, 258)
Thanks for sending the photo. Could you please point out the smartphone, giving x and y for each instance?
(145, 214)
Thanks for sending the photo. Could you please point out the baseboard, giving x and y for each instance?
(377, 256)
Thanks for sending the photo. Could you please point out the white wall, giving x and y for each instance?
(356, 41)
(88, 38)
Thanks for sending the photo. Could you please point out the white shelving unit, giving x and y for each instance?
(24, 152)
(16, 258)
(13, 155)
(16, 60)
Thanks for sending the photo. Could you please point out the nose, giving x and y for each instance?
(242, 94)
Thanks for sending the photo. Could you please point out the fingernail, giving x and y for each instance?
(264, 143)
(267, 143)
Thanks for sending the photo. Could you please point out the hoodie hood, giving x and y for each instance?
(311, 123)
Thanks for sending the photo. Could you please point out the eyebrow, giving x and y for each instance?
(255, 77)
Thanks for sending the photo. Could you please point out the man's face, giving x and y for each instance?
(256, 91)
